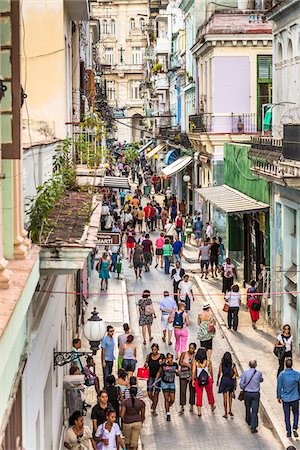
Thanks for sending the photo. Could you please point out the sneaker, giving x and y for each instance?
(288, 435)
(295, 433)
(168, 418)
(202, 275)
(254, 430)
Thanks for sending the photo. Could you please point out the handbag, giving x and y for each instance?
(149, 310)
(143, 373)
(226, 307)
(242, 393)
(184, 373)
(211, 328)
(279, 352)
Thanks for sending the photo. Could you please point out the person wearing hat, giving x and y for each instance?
(207, 329)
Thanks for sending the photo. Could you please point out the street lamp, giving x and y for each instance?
(186, 178)
(94, 331)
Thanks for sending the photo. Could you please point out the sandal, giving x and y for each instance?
(231, 414)
(144, 342)
(225, 416)
(150, 339)
(164, 340)
(213, 408)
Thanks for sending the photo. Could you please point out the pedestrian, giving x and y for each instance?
(288, 394)
(167, 253)
(100, 410)
(76, 359)
(227, 272)
(207, 329)
(91, 378)
(122, 339)
(204, 253)
(208, 231)
(182, 208)
(188, 230)
(115, 254)
(122, 381)
(185, 291)
(228, 374)
(109, 220)
(128, 353)
(284, 341)
(122, 197)
(146, 314)
(177, 249)
(202, 376)
(147, 216)
(262, 278)
(164, 218)
(181, 322)
(167, 372)
(198, 230)
(147, 252)
(179, 225)
(107, 352)
(130, 242)
(222, 252)
(108, 435)
(139, 219)
(133, 383)
(133, 416)
(250, 384)
(159, 243)
(167, 307)
(153, 386)
(104, 276)
(185, 377)
(173, 211)
(138, 260)
(78, 435)
(234, 300)
(253, 303)
(114, 393)
(177, 275)
(214, 257)
(170, 231)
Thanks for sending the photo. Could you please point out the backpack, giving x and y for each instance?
(256, 305)
(178, 320)
(202, 378)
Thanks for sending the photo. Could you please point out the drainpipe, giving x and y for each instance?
(196, 156)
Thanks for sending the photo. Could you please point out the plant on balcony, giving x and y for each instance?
(151, 36)
(157, 68)
(192, 126)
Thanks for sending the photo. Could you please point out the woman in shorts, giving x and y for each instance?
(128, 353)
(159, 243)
(153, 361)
(167, 373)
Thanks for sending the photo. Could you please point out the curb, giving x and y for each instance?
(273, 423)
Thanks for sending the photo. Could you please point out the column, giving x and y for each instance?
(21, 242)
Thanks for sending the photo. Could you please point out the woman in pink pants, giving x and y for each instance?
(180, 323)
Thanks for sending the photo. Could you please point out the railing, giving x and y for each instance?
(223, 123)
(267, 143)
(86, 145)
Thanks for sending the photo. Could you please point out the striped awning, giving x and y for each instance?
(230, 200)
(115, 182)
(140, 150)
(177, 166)
(155, 150)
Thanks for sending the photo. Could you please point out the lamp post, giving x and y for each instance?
(187, 179)
(94, 331)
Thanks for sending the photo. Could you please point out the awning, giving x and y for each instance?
(230, 200)
(171, 156)
(140, 150)
(115, 182)
(155, 150)
(177, 165)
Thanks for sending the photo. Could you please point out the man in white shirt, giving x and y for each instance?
(185, 291)
(176, 275)
(209, 230)
(167, 306)
(233, 298)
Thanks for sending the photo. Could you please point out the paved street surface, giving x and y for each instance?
(211, 431)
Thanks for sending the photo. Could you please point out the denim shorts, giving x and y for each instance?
(168, 387)
(129, 365)
(150, 382)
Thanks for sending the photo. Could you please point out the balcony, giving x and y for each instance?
(223, 123)
(163, 45)
(161, 81)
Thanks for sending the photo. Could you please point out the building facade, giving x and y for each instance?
(121, 51)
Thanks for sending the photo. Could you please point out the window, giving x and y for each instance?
(109, 55)
(136, 55)
(265, 67)
(142, 24)
(264, 84)
(105, 27)
(112, 26)
(135, 90)
(110, 90)
(132, 24)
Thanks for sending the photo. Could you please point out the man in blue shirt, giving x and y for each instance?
(288, 384)
(250, 384)
(177, 250)
(107, 354)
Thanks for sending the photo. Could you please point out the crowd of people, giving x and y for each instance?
(120, 410)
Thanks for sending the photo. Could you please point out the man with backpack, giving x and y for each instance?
(167, 307)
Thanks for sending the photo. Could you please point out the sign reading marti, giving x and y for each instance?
(109, 239)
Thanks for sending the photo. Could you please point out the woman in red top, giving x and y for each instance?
(159, 243)
(179, 225)
(253, 299)
(130, 241)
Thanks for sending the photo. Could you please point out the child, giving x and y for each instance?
(108, 434)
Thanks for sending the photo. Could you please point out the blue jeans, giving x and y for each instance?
(167, 264)
(177, 257)
(114, 260)
(252, 404)
(287, 406)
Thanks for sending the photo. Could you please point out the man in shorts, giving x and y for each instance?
(167, 306)
(198, 230)
(138, 260)
(204, 254)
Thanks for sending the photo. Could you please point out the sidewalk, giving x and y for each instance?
(248, 343)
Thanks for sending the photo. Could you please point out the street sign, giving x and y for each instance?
(109, 239)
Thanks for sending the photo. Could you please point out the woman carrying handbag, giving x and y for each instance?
(146, 315)
(207, 329)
